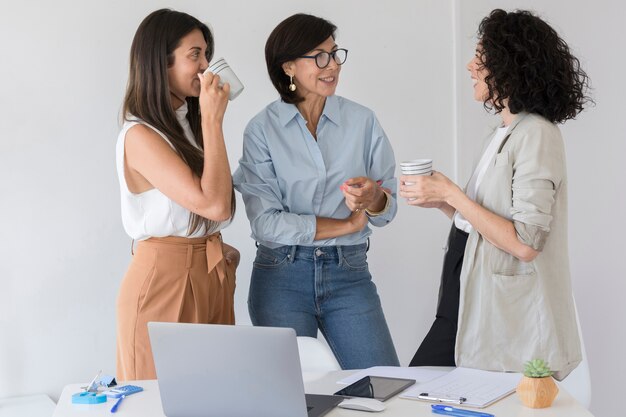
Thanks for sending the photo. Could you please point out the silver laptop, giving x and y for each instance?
(231, 371)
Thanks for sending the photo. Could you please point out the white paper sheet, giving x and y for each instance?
(480, 388)
(418, 374)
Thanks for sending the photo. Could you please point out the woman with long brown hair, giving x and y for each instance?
(176, 188)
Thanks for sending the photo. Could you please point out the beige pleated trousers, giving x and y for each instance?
(171, 279)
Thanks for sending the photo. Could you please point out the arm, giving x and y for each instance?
(439, 191)
(538, 169)
(149, 156)
(257, 181)
(326, 228)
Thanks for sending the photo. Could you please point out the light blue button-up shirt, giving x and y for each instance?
(287, 178)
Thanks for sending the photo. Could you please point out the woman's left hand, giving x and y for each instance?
(363, 193)
(231, 255)
(429, 191)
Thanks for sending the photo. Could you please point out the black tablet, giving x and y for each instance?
(379, 387)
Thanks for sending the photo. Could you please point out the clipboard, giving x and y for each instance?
(467, 387)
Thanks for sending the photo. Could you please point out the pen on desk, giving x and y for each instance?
(457, 412)
(117, 404)
(427, 397)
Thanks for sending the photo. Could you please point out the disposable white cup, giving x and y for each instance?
(417, 163)
(416, 167)
(227, 75)
(417, 171)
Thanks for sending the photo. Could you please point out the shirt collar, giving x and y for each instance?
(287, 111)
(181, 112)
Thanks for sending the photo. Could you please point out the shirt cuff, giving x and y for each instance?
(371, 213)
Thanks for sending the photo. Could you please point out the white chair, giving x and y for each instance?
(578, 382)
(315, 356)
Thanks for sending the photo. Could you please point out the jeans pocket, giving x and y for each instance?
(354, 261)
(267, 258)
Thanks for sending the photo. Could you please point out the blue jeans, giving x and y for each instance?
(329, 288)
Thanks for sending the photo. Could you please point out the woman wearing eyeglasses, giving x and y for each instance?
(316, 170)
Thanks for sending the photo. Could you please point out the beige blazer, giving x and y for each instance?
(512, 311)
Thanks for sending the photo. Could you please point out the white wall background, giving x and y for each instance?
(63, 251)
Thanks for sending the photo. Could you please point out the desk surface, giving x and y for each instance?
(148, 403)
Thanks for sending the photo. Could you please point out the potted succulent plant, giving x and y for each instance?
(537, 388)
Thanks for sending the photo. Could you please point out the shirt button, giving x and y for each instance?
(319, 252)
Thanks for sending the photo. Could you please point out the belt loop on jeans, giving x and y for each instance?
(367, 249)
(189, 256)
(339, 255)
(292, 253)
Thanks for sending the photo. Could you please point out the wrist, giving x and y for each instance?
(455, 198)
(211, 120)
(384, 206)
(379, 201)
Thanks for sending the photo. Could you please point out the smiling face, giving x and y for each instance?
(310, 80)
(189, 60)
(478, 72)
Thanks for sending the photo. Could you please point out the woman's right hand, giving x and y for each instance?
(213, 98)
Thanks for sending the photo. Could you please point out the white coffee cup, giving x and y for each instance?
(227, 75)
(416, 167)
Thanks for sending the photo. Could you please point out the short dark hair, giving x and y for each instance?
(292, 38)
(530, 67)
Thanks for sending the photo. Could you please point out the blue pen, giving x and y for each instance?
(457, 412)
(117, 403)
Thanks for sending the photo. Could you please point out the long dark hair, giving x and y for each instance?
(530, 67)
(148, 93)
(292, 38)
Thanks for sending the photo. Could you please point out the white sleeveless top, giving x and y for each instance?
(152, 213)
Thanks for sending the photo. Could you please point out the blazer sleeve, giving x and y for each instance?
(538, 173)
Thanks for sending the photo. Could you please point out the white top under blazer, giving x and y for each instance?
(151, 213)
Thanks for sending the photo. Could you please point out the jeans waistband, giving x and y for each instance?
(314, 252)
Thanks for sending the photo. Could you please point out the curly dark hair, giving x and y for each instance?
(530, 67)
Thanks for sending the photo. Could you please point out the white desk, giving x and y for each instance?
(148, 403)
(29, 406)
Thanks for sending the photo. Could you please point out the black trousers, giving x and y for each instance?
(437, 348)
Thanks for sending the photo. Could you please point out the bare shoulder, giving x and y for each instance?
(144, 145)
(143, 135)
(143, 139)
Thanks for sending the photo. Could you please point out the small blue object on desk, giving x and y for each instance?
(117, 392)
(88, 398)
(446, 410)
(117, 403)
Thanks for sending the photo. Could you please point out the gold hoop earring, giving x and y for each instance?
(292, 86)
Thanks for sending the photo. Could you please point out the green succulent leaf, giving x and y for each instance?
(537, 368)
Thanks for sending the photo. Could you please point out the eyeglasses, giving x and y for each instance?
(322, 59)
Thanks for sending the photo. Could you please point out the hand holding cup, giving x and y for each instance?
(227, 76)
(213, 98)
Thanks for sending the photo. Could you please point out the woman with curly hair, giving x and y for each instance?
(505, 294)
